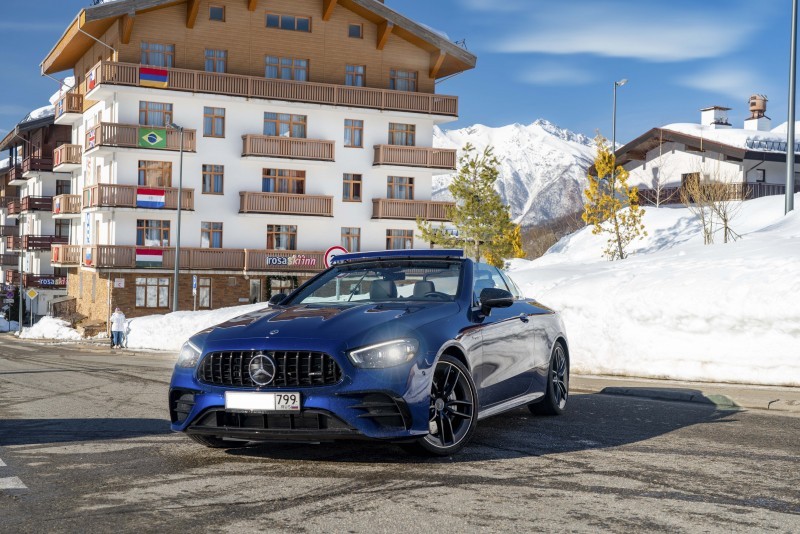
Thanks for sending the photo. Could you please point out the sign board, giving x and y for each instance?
(119, 283)
(8, 301)
(9, 294)
(194, 284)
(332, 253)
(244, 299)
(32, 294)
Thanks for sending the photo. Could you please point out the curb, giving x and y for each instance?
(722, 402)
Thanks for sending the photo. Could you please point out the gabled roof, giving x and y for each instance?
(25, 126)
(447, 58)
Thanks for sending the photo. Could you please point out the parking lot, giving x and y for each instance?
(85, 446)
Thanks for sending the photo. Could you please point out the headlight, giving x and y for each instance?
(189, 355)
(386, 354)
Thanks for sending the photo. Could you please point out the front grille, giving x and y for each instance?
(275, 422)
(293, 369)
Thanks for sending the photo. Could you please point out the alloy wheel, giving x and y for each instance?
(452, 406)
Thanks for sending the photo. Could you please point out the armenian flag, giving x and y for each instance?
(150, 77)
(149, 257)
(150, 198)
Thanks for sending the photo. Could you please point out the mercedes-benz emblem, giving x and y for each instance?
(274, 332)
(262, 369)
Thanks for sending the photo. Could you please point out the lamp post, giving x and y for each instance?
(178, 229)
(614, 119)
(790, 121)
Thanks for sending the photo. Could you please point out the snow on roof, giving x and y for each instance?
(66, 85)
(40, 113)
(735, 137)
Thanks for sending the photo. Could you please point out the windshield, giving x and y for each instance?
(384, 281)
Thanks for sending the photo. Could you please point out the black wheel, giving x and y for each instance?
(214, 442)
(453, 410)
(555, 398)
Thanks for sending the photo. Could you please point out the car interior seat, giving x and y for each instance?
(382, 290)
(423, 287)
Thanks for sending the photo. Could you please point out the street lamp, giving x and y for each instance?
(620, 83)
(178, 229)
(790, 121)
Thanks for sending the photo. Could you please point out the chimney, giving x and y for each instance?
(716, 117)
(758, 120)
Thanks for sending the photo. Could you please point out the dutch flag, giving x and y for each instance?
(150, 198)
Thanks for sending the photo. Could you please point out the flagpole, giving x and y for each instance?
(178, 229)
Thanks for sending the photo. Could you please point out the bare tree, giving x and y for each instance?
(715, 196)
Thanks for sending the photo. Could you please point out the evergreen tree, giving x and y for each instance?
(607, 197)
(483, 222)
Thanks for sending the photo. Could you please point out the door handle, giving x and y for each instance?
(523, 317)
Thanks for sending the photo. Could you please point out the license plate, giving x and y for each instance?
(248, 401)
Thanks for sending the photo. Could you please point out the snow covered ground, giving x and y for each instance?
(50, 328)
(677, 308)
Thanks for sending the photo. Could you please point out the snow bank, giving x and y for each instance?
(50, 328)
(677, 308)
(170, 331)
(8, 326)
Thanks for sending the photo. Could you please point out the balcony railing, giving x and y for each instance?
(412, 156)
(15, 174)
(9, 260)
(132, 196)
(733, 191)
(428, 210)
(37, 165)
(8, 229)
(132, 136)
(42, 242)
(66, 254)
(287, 147)
(285, 204)
(71, 102)
(67, 205)
(67, 155)
(13, 207)
(257, 87)
(36, 204)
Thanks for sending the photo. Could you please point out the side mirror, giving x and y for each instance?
(277, 299)
(492, 297)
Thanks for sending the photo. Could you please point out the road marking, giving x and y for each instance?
(11, 483)
(2, 464)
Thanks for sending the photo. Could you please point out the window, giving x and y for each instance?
(353, 133)
(351, 191)
(399, 239)
(214, 122)
(204, 292)
(402, 80)
(356, 31)
(155, 114)
(281, 237)
(213, 179)
(210, 235)
(152, 233)
(283, 181)
(62, 228)
(286, 68)
(285, 125)
(289, 22)
(355, 75)
(761, 175)
(155, 173)
(63, 187)
(216, 60)
(402, 134)
(487, 276)
(157, 55)
(216, 13)
(152, 292)
(351, 239)
(400, 188)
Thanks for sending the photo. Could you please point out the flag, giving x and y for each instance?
(149, 257)
(91, 138)
(152, 137)
(88, 258)
(91, 80)
(150, 198)
(150, 77)
(56, 206)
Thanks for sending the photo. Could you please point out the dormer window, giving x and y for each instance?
(355, 31)
(216, 13)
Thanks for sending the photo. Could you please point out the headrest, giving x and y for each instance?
(382, 290)
(423, 287)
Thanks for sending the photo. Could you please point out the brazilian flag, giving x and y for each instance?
(153, 137)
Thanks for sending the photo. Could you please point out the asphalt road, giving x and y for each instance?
(85, 446)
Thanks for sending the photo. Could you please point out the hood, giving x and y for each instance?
(351, 325)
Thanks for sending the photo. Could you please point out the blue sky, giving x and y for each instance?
(536, 58)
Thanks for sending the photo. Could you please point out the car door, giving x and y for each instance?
(507, 344)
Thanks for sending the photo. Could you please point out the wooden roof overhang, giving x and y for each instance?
(9, 140)
(446, 58)
(639, 147)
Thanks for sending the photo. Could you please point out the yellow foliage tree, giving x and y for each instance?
(509, 243)
(611, 206)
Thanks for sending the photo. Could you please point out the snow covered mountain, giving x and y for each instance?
(543, 167)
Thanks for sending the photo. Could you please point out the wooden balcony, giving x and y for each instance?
(13, 242)
(9, 260)
(32, 166)
(412, 156)
(13, 208)
(108, 134)
(65, 255)
(66, 206)
(15, 176)
(427, 210)
(36, 204)
(126, 196)
(192, 81)
(69, 108)
(42, 242)
(285, 204)
(287, 147)
(734, 191)
(67, 158)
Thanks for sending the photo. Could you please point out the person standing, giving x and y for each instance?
(117, 328)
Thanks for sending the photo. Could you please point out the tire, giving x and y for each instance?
(214, 442)
(555, 398)
(453, 410)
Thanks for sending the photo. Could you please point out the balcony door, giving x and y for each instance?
(155, 173)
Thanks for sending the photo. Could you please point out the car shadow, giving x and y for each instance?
(592, 421)
(43, 431)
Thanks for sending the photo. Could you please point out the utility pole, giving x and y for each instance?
(790, 122)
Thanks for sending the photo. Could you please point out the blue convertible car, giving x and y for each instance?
(410, 346)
